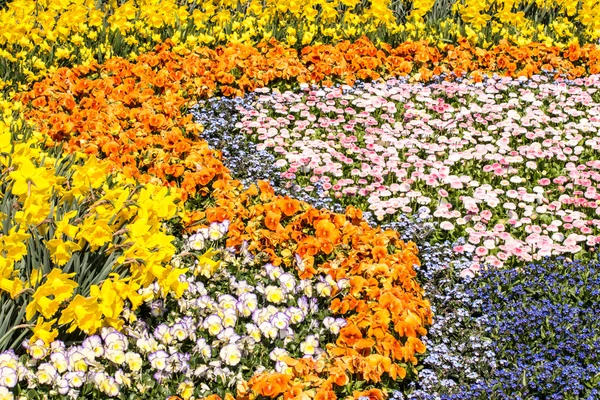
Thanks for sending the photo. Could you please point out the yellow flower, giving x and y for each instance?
(59, 285)
(12, 286)
(77, 40)
(83, 313)
(61, 251)
(13, 244)
(5, 141)
(111, 303)
(186, 389)
(43, 330)
(168, 278)
(28, 176)
(96, 232)
(62, 53)
(95, 18)
(126, 288)
(63, 227)
(90, 175)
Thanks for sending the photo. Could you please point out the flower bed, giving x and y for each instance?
(111, 111)
(460, 343)
(508, 164)
(135, 265)
(72, 238)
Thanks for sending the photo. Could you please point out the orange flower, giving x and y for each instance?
(288, 206)
(217, 214)
(327, 247)
(325, 229)
(379, 252)
(272, 220)
(377, 365)
(338, 376)
(271, 385)
(309, 246)
(266, 191)
(349, 335)
(325, 394)
(372, 394)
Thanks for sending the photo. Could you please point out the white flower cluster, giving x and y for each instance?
(252, 309)
(65, 370)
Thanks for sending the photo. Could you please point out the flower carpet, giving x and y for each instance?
(243, 200)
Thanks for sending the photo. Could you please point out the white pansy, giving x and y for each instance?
(227, 301)
(309, 345)
(77, 361)
(253, 332)
(37, 351)
(328, 322)
(277, 354)
(283, 368)
(121, 378)
(274, 294)
(110, 387)
(343, 283)
(8, 377)
(196, 242)
(179, 332)
(94, 343)
(229, 318)
(323, 289)
(306, 287)
(203, 348)
(288, 282)
(6, 394)
(268, 330)
(134, 361)
(228, 335)
(280, 320)
(46, 374)
(273, 271)
(213, 324)
(116, 356)
(214, 231)
(231, 354)
(9, 359)
(59, 361)
(158, 360)
(163, 334)
(75, 379)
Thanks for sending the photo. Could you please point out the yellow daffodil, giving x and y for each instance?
(28, 176)
(44, 330)
(61, 251)
(59, 286)
(83, 313)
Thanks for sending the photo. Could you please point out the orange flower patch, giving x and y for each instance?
(132, 115)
